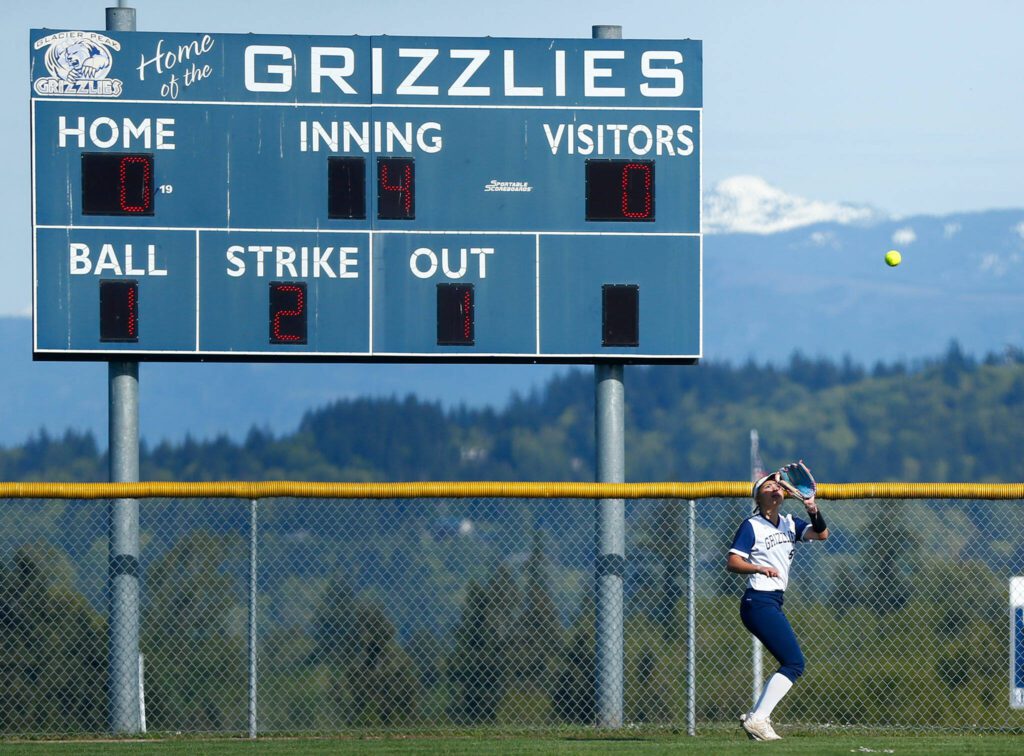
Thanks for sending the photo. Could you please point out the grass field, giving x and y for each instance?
(719, 745)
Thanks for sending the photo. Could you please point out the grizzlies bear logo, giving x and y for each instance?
(78, 64)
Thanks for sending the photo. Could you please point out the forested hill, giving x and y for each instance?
(952, 418)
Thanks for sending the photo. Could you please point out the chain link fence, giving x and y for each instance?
(443, 614)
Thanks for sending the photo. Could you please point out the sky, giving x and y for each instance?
(910, 106)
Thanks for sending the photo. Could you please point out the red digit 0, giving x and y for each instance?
(646, 171)
(147, 198)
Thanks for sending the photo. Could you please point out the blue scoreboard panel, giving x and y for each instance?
(256, 197)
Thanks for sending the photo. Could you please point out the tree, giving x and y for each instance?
(650, 697)
(879, 580)
(668, 544)
(479, 669)
(334, 630)
(574, 698)
(192, 638)
(52, 648)
(373, 680)
(537, 633)
(381, 678)
(890, 544)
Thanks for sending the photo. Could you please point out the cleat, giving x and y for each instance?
(743, 726)
(758, 729)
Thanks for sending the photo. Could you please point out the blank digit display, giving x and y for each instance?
(346, 187)
(620, 315)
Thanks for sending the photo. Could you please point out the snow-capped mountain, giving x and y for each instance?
(824, 289)
(750, 205)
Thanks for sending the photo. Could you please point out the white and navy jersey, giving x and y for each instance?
(764, 544)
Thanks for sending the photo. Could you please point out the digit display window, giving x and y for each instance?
(620, 315)
(346, 187)
(620, 190)
(455, 326)
(396, 189)
(288, 317)
(119, 311)
(117, 183)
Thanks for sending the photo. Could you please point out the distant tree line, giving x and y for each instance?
(950, 418)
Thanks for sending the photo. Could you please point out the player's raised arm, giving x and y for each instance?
(818, 531)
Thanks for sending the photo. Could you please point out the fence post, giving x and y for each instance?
(252, 618)
(691, 621)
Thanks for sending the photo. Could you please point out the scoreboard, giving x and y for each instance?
(267, 197)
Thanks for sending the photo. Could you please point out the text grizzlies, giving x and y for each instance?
(433, 72)
(777, 539)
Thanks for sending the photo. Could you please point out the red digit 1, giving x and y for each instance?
(123, 178)
(133, 312)
(646, 171)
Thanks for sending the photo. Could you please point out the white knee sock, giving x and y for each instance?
(776, 687)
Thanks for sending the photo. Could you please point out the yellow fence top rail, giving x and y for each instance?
(273, 489)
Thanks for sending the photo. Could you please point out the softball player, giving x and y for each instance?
(763, 549)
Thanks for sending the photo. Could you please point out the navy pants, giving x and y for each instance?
(761, 612)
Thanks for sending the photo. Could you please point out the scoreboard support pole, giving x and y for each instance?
(125, 710)
(611, 544)
(123, 554)
(611, 526)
